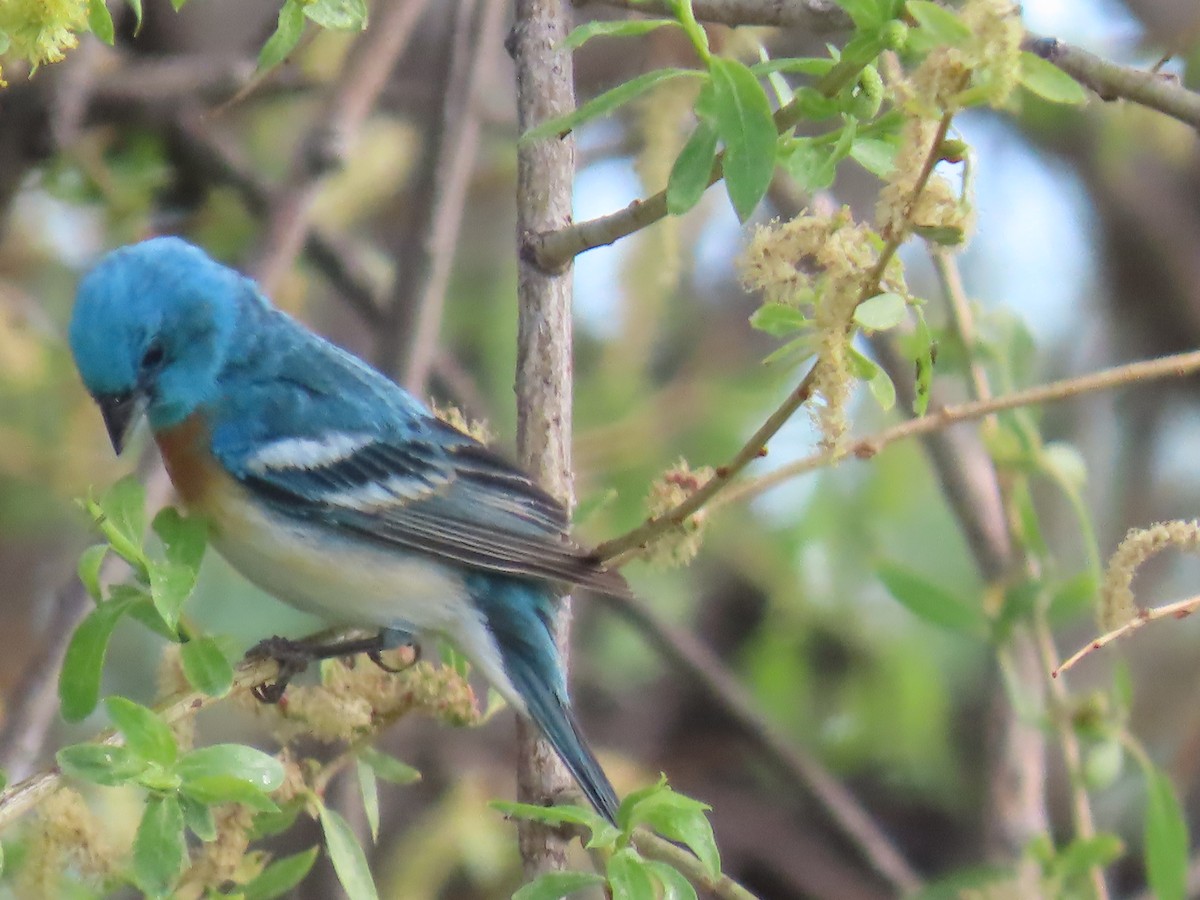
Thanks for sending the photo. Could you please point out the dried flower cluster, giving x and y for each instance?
(679, 546)
(65, 838)
(1117, 606)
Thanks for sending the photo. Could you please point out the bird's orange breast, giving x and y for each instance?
(188, 458)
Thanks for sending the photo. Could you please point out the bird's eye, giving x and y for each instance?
(153, 356)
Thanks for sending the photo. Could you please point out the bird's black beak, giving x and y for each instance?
(120, 412)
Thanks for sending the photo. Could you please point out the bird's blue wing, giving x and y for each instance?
(330, 441)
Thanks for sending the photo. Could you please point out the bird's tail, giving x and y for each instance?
(520, 619)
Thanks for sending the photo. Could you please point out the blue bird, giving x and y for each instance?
(329, 486)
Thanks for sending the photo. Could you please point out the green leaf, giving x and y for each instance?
(263, 771)
(881, 312)
(90, 561)
(876, 156)
(123, 519)
(159, 851)
(679, 818)
(206, 667)
(83, 664)
(882, 389)
(1072, 597)
(136, 6)
(811, 164)
(106, 764)
(604, 104)
(863, 13)
(939, 23)
(285, 37)
(603, 834)
(184, 537)
(388, 767)
(1083, 854)
(1103, 764)
(267, 824)
(614, 28)
(198, 817)
(628, 877)
(146, 734)
(674, 885)
(692, 172)
(100, 21)
(178, 4)
(368, 789)
(801, 65)
(555, 885)
(1166, 839)
(745, 125)
(930, 602)
(214, 789)
(347, 856)
(170, 586)
(1048, 81)
(280, 876)
(341, 15)
(779, 319)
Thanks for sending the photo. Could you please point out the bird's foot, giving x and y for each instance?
(293, 657)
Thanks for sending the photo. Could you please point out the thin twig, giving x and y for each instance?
(815, 16)
(1177, 365)
(723, 887)
(1110, 81)
(472, 56)
(756, 446)
(686, 653)
(1178, 610)
(369, 63)
(545, 172)
(20, 798)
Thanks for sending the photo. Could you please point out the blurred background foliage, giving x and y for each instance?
(1085, 256)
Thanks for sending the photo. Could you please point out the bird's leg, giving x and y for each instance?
(293, 657)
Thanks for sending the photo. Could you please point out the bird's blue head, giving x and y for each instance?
(152, 328)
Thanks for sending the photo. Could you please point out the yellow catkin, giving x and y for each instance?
(680, 545)
(1117, 605)
(65, 837)
(224, 858)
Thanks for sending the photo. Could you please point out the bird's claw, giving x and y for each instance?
(376, 657)
(292, 657)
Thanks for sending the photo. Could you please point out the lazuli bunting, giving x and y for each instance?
(329, 486)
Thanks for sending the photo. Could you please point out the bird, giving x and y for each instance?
(330, 487)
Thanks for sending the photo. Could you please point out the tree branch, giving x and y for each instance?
(545, 172)
(816, 16)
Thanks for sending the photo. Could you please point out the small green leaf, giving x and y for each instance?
(603, 834)
(1103, 764)
(146, 734)
(876, 156)
(170, 586)
(159, 851)
(863, 13)
(106, 764)
(679, 818)
(214, 789)
(939, 23)
(368, 789)
(178, 4)
(90, 561)
(674, 885)
(261, 770)
(811, 164)
(285, 37)
(556, 885)
(745, 125)
(341, 15)
(1048, 81)
(100, 21)
(581, 34)
(184, 537)
(692, 172)
(123, 519)
(1083, 854)
(779, 319)
(267, 824)
(930, 602)
(206, 667)
(347, 856)
(198, 817)
(83, 664)
(280, 876)
(388, 767)
(881, 312)
(628, 877)
(605, 104)
(136, 6)
(1166, 839)
(806, 65)
(882, 389)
